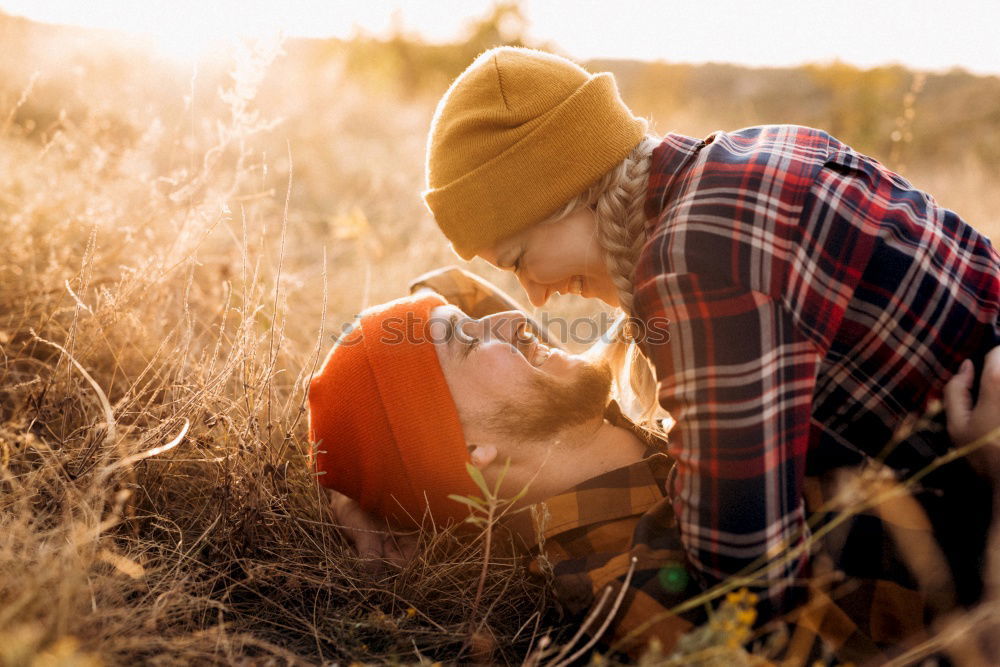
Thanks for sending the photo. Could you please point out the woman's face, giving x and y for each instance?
(561, 257)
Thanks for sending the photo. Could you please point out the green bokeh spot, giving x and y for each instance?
(673, 577)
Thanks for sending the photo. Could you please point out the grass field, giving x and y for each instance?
(180, 248)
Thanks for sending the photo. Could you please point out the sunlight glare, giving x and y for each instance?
(962, 32)
(206, 30)
(182, 30)
(191, 43)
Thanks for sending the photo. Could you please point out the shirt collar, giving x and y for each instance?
(669, 159)
(654, 443)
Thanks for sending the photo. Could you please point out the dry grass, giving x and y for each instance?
(146, 303)
(173, 268)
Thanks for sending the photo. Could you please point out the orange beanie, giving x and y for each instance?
(384, 427)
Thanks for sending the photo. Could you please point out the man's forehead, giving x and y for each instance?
(445, 318)
(446, 310)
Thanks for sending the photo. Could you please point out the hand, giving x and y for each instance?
(968, 423)
(371, 536)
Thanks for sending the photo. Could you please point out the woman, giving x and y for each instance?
(815, 299)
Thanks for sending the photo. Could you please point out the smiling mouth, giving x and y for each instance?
(574, 286)
(539, 355)
(531, 348)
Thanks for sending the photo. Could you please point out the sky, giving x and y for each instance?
(921, 34)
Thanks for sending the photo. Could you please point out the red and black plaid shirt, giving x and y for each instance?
(814, 299)
(611, 550)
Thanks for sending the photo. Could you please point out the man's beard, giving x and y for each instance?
(548, 406)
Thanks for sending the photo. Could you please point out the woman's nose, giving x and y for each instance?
(537, 294)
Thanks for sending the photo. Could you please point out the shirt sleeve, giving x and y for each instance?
(738, 376)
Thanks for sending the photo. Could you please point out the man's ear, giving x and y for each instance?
(482, 455)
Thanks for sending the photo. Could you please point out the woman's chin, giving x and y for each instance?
(601, 290)
(609, 297)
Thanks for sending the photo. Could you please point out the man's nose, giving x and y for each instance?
(505, 326)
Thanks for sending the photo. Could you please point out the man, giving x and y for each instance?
(418, 388)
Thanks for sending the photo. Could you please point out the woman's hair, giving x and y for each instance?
(618, 200)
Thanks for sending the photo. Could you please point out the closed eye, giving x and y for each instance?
(514, 266)
(469, 343)
(517, 263)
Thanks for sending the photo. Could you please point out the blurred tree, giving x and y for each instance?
(862, 104)
(413, 67)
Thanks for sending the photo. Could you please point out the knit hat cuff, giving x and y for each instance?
(382, 419)
(580, 140)
(422, 415)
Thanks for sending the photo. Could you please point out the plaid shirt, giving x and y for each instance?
(862, 601)
(615, 536)
(814, 299)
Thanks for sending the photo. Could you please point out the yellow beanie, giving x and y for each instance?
(517, 135)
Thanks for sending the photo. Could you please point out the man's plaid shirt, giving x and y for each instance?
(611, 550)
(814, 299)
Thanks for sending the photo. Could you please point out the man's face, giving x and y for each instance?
(504, 378)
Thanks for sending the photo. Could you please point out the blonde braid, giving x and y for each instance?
(621, 221)
(618, 200)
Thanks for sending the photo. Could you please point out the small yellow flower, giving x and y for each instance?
(411, 612)
(736, 597)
